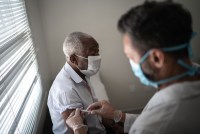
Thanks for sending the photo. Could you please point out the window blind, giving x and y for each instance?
(20, 83)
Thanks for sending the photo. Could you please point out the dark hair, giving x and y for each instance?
(157, 25)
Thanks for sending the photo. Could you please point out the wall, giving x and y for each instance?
(99, 18)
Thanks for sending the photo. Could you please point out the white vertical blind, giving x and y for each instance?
(20, 84)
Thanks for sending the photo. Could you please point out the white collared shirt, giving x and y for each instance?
(70, 91)
(173, 110)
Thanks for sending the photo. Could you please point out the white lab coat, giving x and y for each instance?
(173, 110)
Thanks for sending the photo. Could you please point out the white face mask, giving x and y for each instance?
(94, 63)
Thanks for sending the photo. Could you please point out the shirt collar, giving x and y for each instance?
(72, 73)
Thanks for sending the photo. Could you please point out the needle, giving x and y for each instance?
(85, 111)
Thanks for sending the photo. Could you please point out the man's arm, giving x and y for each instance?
(65, 115)
(75, 122)
(104, 109)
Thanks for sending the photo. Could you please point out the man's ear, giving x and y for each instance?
(157, 58)
(73, 59)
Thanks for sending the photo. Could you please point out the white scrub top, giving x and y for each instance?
(70, 91)
(173, 110)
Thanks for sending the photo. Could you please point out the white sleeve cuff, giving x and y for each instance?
(71, 106)
(129, 120)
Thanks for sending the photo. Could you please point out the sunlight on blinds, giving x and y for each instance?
(20, 83)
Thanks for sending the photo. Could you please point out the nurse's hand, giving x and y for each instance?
(102, 108)
(75, 122)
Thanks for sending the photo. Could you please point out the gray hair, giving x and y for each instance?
(73, 44)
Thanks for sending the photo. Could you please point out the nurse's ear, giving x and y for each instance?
(157, 58)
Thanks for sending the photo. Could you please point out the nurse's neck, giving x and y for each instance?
(177, 70)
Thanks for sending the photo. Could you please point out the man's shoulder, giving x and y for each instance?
(62, 89)
(62, 82)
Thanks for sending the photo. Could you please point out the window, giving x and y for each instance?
(20, 84)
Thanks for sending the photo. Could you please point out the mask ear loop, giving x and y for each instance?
(190, 51)
(191, 69)
(144, 57)
(161, 81)
(82, 57)
(172, 49)
(142, 60)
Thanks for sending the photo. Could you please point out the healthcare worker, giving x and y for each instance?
(156, 39)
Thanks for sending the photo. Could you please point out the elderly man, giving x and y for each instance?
(156, 38)
(72, 89)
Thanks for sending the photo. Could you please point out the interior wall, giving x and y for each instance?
(99, 19)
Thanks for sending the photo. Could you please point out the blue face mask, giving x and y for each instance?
(137, 68)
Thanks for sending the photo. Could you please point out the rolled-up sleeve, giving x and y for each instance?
(68, 100)
(129, 120)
